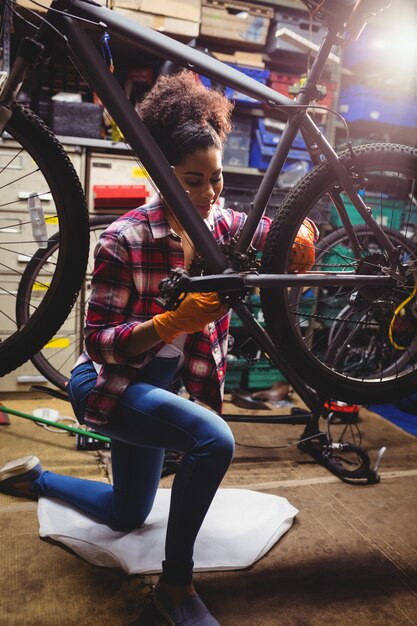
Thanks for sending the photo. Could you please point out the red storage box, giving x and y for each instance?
(119, 196)
(287, 85)
(282, 82)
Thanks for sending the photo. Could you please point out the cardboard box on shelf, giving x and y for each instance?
(289, 4)
(163, 15)
(28, 4)
(190, 10)
(161, 23)
(242, 57)
(235, 21)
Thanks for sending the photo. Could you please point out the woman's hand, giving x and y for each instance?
(194, 312)
(303, 254)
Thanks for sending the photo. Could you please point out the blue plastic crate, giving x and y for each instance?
(261, 154)
(236, 156)
(206, 81)
(363, 103)
(237, 146)
(242, 125)
(260, 75)
(272, 138)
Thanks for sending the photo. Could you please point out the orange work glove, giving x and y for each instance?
(303, 255)
(194, 312)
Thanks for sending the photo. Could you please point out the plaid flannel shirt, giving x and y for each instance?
(133, 254)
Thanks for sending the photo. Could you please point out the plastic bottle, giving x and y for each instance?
(37, 219)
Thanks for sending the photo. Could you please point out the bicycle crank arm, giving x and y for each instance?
(173, 288)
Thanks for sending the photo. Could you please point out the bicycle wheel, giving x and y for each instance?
(346, 331)
(33, 161)
(58, 356)
(349, 343)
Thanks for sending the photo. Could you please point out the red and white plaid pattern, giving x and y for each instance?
(132, 256)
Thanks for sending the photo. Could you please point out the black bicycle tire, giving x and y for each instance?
(66, 189)
(29, 278)
(328, 383)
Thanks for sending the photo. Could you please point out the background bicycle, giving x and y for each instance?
(58, 356)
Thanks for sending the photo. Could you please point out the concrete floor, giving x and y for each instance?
(350, 556)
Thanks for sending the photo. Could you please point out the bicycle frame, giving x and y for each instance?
(89, 62)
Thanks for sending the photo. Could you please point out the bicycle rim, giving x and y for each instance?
(349, 343)
(58, 356)
(35, 162)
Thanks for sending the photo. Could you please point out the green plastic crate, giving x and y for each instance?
(386, 211)
(233, 379)
(262, 376)
(259, 375)
(255, 304)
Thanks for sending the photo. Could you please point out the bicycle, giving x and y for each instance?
(56, 358)
(375, 283)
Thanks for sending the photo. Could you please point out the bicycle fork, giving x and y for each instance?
(29, 53)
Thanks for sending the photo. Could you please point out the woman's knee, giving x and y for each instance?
(220, 442)
(228, 444)
(128, 524)
(127, 513)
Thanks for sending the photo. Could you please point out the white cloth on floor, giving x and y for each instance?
(240, 527)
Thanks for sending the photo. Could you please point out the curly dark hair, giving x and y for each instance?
(184, 116)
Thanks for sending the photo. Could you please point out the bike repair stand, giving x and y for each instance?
(313, 441)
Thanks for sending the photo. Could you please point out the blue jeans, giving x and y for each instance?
(150, 418)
